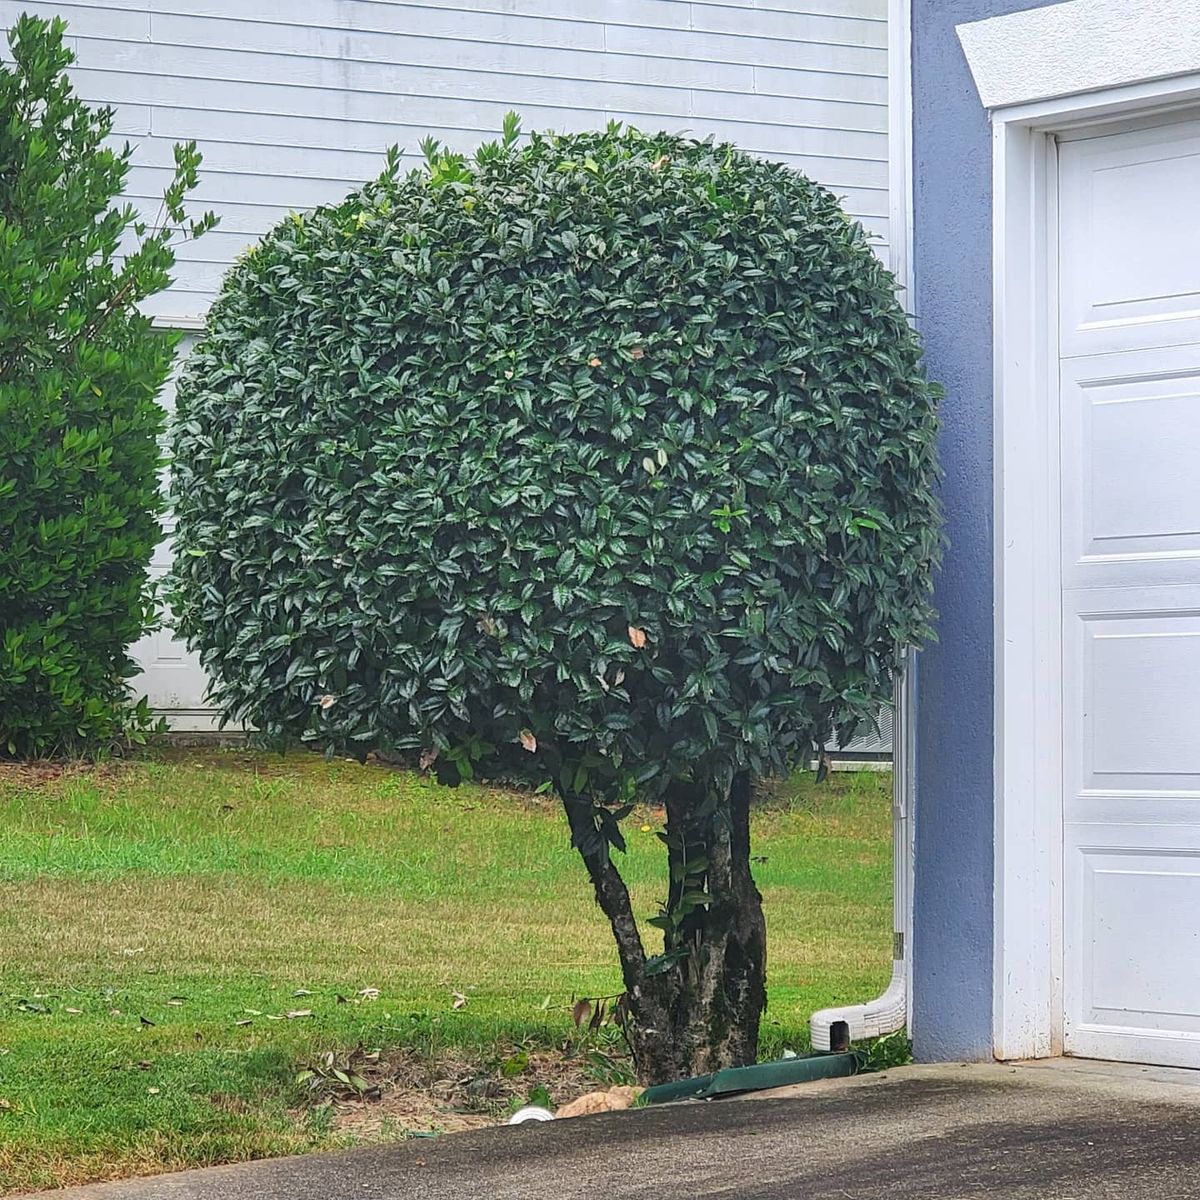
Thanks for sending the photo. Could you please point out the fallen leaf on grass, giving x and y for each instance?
(152, 1091)
(176, 1002)
(244, 1021)
(75, 1012)
(299, 1012)
(369, 993)
(302, 992)
(458, 1000)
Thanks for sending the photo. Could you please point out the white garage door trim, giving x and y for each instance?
(1028, 983)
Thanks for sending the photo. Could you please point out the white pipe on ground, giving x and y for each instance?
(833, 1028)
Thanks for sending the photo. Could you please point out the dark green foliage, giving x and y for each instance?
(616, 444)
(610, 453)
(79, 370)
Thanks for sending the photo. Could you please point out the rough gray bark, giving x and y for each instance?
(697, 1008)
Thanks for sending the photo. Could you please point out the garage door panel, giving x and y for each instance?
(1133, 977)
(1142, 977)
(1133, 281)
(1131, 487)
(1133, 697)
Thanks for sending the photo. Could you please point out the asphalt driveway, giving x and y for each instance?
(1064, 1131)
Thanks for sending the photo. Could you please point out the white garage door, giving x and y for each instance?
(1129, 291)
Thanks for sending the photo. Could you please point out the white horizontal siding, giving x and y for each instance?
(294, 101)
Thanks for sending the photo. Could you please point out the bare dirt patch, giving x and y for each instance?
(405, 1093)
(38, 773)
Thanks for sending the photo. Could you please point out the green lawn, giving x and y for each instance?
(156, 915)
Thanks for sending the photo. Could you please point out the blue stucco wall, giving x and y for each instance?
(952, 279)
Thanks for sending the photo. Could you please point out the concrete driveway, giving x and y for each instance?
(1060, 1130)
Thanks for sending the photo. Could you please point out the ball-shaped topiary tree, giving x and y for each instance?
(610, 451)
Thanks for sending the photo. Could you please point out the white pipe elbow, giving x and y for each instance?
(852, 1023)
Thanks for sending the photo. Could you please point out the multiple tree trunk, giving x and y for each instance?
(696, 1007)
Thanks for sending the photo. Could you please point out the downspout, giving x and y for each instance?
(833, 1029)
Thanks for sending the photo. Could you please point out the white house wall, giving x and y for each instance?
(293, 102)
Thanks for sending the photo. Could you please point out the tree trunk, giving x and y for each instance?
(695, 1008)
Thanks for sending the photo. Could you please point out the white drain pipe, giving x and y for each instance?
(531, 1112)
(834, 1028)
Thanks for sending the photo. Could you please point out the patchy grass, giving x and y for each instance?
(159, 920)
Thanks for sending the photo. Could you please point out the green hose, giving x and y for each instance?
(780, 1073)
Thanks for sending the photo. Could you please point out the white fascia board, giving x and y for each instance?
(1080, 46)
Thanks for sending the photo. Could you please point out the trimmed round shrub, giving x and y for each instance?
(608, 453)
(614, 443)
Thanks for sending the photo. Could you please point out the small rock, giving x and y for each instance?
(596, 1102)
